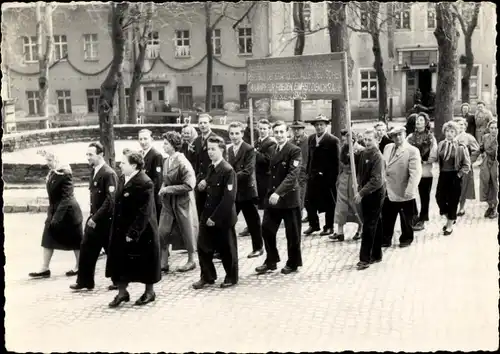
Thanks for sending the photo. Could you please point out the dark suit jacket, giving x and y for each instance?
(244, 166)
(264, 151)
(202, 161)
(384, 142)
(189, 151)
(285, 168)
(302, 143)
(221, 191)
(103, 188)
(322, 171)
(134, 217)
(153, 167)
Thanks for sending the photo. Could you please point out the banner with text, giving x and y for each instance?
(304, 77)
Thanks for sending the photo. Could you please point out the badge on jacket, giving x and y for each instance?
(95, 184)
(158, 169)
(230, 187)
(295, 163)
(111, 189)
(126, 194)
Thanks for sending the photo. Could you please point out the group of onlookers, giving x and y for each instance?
(191, 199)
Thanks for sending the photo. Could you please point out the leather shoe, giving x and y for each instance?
(45, 274)
(187, 267)
(404, 244)
(357, 236)
(385, 245)
(311, 230)
(245, 232)
(112, 287)
(488, 212)
(363, 265)
(71, 273)
(373, 261)
(227, 284)
(265, 268)
(165, 269)
(326, 232)
(336, 237)
(119, 299)
(80, 287)
(200, 284)
(145, 298)
(305, 220)
(255, 254)
(288, 270)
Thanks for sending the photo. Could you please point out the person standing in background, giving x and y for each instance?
(469, 118)
(488, 177)
(300, 139)
(382, 138)
(482, 118)
(189, 135)
(264, 151)
(153, 164)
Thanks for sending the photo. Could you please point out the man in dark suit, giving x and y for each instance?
(218, 218)
(381, 135)
(264, 151)
(241, 156)
(283, 203)
(322, 172)
(201, 159)
(300, 139)
(102, 186)
(153, 165)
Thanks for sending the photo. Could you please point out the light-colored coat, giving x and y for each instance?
(403, 172)
(179, 214)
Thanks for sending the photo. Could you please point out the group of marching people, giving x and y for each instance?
(191, 199)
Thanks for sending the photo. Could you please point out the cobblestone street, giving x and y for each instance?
(440, 293)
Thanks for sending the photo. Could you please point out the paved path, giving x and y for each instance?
(440, 293)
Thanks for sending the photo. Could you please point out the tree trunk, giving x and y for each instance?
(116, 19)
(339, 42)
(210, 58)
(381, 79)
(299, 28)
(469, 63)
(139, 57)
(447, 38)
(122, 114)
(44, 26)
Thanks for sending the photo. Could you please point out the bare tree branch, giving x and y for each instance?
(245, 14)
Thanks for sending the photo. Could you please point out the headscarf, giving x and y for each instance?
(194, 133)
(422, 140)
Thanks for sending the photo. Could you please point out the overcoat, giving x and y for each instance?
(482, 119)
(189, 151)
(201, 163)
(243, 164)
(264, 151)
(488, 175)
(322, 172)
(179, 218)
(468, 184)
(63, 227)
(153, 165)
(134, 217)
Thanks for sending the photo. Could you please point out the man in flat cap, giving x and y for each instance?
(322, 172)
(403, 173)
(299, 138)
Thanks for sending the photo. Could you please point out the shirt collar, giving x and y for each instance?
(280, 147)
(318, 138)
(216, 163)
(237, 147)
(98, 167)
(131, 176)
(145, 152)
(205, 136)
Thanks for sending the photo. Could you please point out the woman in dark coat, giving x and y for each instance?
(63, 226)
(134, 247)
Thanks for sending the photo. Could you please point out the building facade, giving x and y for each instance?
(415, 56)
(174, 70)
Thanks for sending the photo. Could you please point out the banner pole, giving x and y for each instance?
(250, 112)
(348, 122)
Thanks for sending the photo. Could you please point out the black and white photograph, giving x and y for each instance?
(250, 177)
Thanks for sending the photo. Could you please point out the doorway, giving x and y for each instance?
(155, 97)
(425, 85)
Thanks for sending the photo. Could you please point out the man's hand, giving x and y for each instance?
(162, 191)
(210, 223)
(273, 199)
(91, 223)
(357, 198)
(202, 185)
(128, 239)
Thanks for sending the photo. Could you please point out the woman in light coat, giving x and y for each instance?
(488, 175)
(426, 143)
(482, 118)
(179, 217)
(468, 186)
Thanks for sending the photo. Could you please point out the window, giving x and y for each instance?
(34, 103)
(307, 15)
(153, 47)
(64, 101)
(217, 97)
(402, 15)
(245, 40)
(30, 49)
(216, 42)
(243, 97)
(431, 15)
(473, 82)
(93, 100)
(182, 44)
(185, 97)
(60, 47)
(369, 85)
(90, 46)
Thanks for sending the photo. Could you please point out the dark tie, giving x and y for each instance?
(211, 169)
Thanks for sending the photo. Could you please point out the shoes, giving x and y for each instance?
(145, 298)
(493, 215)
(404, 244)
(311, 230)
(119, 299)
(200, 284)
(265, 268)
(165, 269)
(444, 227)
(40, 275)
(461, 213)
(357, 236)
(373, 261)
(448, 232)
(287, 270)
(244, 233)
(385, 245)
(326, 232)
(488, 212)
(305, 220)
(80, 287)
(256, 254)
(336, 237)
(71, 273)
(112, 287)
(362, 265)
(227, 284)
(419, 226)
(186, 267)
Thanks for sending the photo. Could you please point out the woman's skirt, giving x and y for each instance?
(345, 208)
(468, 187)
(65, 237)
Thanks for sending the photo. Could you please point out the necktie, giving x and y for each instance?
(448, 150)
(211, 169)
(393, 153)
